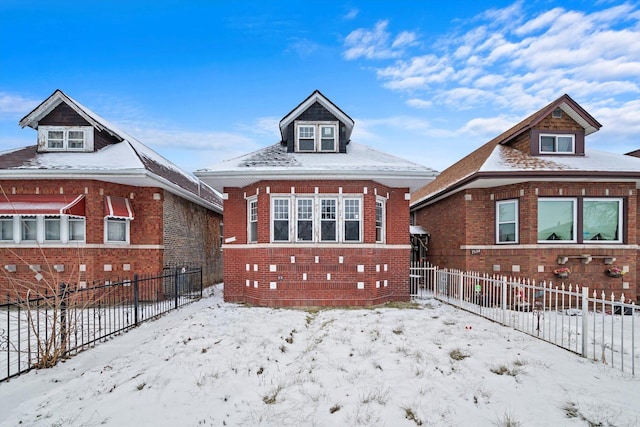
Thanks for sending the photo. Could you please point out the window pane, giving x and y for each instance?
(253, 221)
(507, 232)
(6, 228)
(565, 144)
(328, 138)
(306, 138)
(55, 138)
(328, 231)
(328, 220)
(600, 220)
(306, 145)
(555, 220)
(76, 139)
(281, 230)
(506, 212)
(76, 229)
(351, 220)
(379, 221)
(52, 228)
(352, 230)
(547, 143)
(305, 219)
(29, 230)
(280, 219)
(116, 230)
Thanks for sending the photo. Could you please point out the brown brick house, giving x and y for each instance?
(316, 219)
(535, 199)
(89, 202)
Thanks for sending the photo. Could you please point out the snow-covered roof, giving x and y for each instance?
(275, 163)
(128, 162)
(497, 163)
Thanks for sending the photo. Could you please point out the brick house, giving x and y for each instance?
(89, 202)
(535, 199)
(316, 219)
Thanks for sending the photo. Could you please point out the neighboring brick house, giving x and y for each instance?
(316, 219)
(535, 199)
(89, 203)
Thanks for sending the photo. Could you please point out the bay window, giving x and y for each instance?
(507, 221)
(316, 218)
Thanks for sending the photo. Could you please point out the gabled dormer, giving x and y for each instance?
(557, 129)
(64, 125)
(317, 125)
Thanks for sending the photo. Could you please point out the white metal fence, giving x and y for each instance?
(600, 327)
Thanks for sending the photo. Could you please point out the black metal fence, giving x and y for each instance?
(36, 332)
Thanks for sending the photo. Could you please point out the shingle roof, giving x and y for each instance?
(129, 162)
(496, 159)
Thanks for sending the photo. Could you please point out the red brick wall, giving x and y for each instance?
(144, 255)
(468, 218)
(291, 287)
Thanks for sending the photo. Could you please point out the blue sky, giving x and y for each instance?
(204, 81)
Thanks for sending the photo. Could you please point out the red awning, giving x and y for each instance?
(117, 207)
(41, 204)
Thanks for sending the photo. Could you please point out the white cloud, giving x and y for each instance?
(419, 103)
(376, 43)
(351, 14)
(12, 105)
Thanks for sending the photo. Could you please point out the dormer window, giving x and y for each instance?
(316, 137)
(65, 138)
(564, 143)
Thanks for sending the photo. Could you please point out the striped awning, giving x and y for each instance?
(117, 207)
(42, 204)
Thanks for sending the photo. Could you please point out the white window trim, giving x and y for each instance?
(68, 229)
(620, 219)
(313, 219)
(9, 218)
(43, 138)
(290, 201)
(574, 238)
(249, 202)
(317, 136)
(317, 217)
(383, 233)
(127, 231)
(516, 220)
(556, 135)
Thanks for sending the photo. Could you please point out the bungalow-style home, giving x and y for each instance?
(535, 199)
(88, 202)
(316, 219)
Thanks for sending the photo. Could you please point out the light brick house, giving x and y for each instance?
(534, 199)
(89, 202)
(316, 219)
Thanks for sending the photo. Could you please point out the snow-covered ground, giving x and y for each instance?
(212, 363)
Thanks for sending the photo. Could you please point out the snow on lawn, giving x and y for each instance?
(213, 363)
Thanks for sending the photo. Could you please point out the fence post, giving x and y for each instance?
(585, 320)
(175, 288)
(200, 281)
(63, 317)
(503, 282)
(461, 287)
(136, 299)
